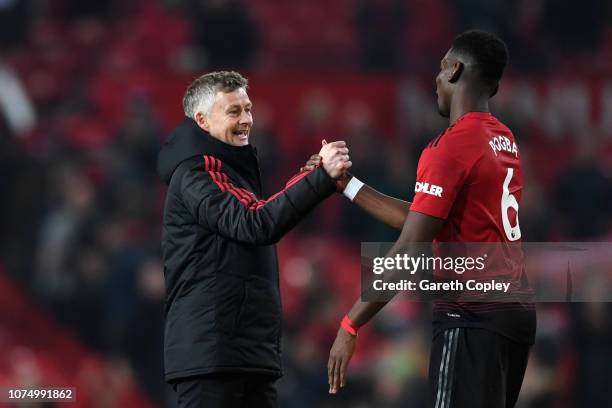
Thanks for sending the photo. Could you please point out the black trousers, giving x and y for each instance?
(227, 391)
(476, 368)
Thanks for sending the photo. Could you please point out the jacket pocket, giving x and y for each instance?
(260, 319)
(231, 297)
(243, 305)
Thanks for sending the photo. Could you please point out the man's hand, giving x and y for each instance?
(315, 160)
(339, 357)
(335, 158)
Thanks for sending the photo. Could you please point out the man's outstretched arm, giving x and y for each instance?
(417, 228)
(386, 209)
(223, 207)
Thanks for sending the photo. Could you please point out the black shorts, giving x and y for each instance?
(476, 368)
(227, 391)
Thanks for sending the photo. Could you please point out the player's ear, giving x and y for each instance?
(455, 72)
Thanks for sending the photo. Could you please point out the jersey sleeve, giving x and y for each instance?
(442, 172)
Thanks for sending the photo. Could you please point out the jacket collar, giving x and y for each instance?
(189, 140)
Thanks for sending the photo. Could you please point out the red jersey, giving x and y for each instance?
(471, 176)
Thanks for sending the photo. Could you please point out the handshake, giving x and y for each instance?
(334, 157)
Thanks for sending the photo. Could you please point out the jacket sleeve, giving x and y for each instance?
(219, 205)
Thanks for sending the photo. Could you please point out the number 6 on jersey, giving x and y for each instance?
(509, 201)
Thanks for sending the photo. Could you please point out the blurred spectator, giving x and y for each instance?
(138, 139)
(87, 303)
(361, 133)
(537, 215)
(524, 33)
(225, 31)
(272, 163)
(14, 23)
(65, 225)
(379, 25)
(75, 9)
(316, 121)
(20, 184)
(539, 389)
(592, 336)
(400, 372)
(25, 367)
(15, 105)
(144, 334)
(576, 28)
(583, 195)
(489, 15)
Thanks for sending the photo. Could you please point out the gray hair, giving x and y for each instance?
(200, 95)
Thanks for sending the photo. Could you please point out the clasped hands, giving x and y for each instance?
(334, 157)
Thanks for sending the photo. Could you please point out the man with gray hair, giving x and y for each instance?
(223, 309)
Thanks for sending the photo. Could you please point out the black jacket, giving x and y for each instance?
(223, 309)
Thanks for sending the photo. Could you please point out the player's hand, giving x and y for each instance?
(313, 162)
(342, 181)
(335, 158)
(339, 357)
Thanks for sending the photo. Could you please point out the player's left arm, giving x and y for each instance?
(418, 227)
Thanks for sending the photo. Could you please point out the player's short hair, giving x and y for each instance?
(200, 94)
(489, 52)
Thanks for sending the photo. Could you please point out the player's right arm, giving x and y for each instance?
(386, 209)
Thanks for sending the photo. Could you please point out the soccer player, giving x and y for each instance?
(468, 189)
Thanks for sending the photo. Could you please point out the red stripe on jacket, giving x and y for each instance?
(212, 165)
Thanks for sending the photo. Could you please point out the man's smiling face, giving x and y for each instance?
(230, 119)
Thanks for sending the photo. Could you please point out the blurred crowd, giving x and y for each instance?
(81, 203)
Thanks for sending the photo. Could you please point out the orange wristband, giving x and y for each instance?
(348, 326)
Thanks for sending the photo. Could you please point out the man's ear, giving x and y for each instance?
(202, 122)
(455, 72)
